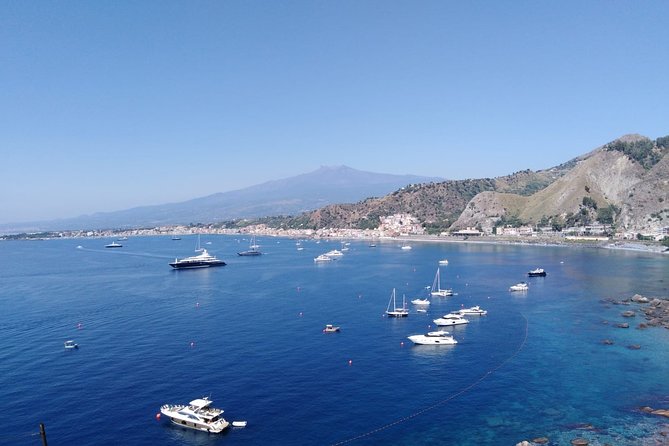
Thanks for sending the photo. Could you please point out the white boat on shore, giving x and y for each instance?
(450, 319)
(196, 415)
(433, 338)
(521, 286)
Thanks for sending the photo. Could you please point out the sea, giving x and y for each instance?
(549, 362)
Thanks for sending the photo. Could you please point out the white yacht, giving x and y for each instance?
(71, 345)
(202, 260)
(420, 301)
(472, 310)
(537, 272)
(433, 338)
(334, 253)
(450, 319)
(521, 286)
(114, 245)
(196, 415)
(322, 258)
(443, 262)
(406, 247)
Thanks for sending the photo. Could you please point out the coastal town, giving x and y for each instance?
(401, 227)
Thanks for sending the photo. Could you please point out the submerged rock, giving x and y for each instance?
(540, 440)
(623, 325)
(661, 412)
(579, 442)
(628, 313)
(634, 347)
(640, 299)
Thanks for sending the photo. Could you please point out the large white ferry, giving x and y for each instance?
(196, 415)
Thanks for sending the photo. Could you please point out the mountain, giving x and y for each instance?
(289, 196)
(625, 182)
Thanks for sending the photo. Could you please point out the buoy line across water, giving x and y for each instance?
(445, 400)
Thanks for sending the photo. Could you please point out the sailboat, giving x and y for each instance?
(436, 287)
(198, 248)
(402, 311)
(253, 249)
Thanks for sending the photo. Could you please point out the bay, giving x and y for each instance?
(250, 336)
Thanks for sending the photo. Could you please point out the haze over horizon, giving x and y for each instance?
(114, 106)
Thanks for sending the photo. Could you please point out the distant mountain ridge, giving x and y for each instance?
(624, 182)
(288, 196)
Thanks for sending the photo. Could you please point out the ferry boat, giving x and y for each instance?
(196, 415)
(202, 260)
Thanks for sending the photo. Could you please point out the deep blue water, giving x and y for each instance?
(249, 335)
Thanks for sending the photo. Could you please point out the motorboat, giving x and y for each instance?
(420, 301)
(329, 328)
(436, 287)
(322, 258)
(450, 319)
(443, 262)
(71, 345)
(406, 247)
(521, 286)
(114, 245)
(472, 310)
(202, 260)
(538, 272)
(396, 311)
(433, 338)
(198, 414)
(334, 253)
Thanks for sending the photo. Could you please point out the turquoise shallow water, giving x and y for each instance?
(249, 334)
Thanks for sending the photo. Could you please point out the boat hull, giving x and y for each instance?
(432, 340)
(193, 265)
(249, 253)
(541, 274)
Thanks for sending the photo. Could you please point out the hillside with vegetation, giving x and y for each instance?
(624, 183)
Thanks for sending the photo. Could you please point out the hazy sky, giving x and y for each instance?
(110, 105)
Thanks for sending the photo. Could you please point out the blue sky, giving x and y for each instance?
(111, 105)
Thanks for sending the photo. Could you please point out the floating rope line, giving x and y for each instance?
(445, 400)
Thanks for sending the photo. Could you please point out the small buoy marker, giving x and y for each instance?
(197, 304)
(300, 314)
(192, 344)
(402, 344)
(157, 416)
(79, 325)
(350, 362)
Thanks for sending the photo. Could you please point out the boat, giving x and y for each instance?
(113, 245)
(322, 258)
(122, 238)
(433, 338)
(70, 345)
(253, 249)
(472, 310)
(450, 319)
(329, 328)
(202, 260)
(402, 311)
(176, 237)
(443, 262)
(334, 253)
(436, 287)
(538, 272)
(405, 247)
(239, 423)
(422, 302)
(198, 414)
(521, 286)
